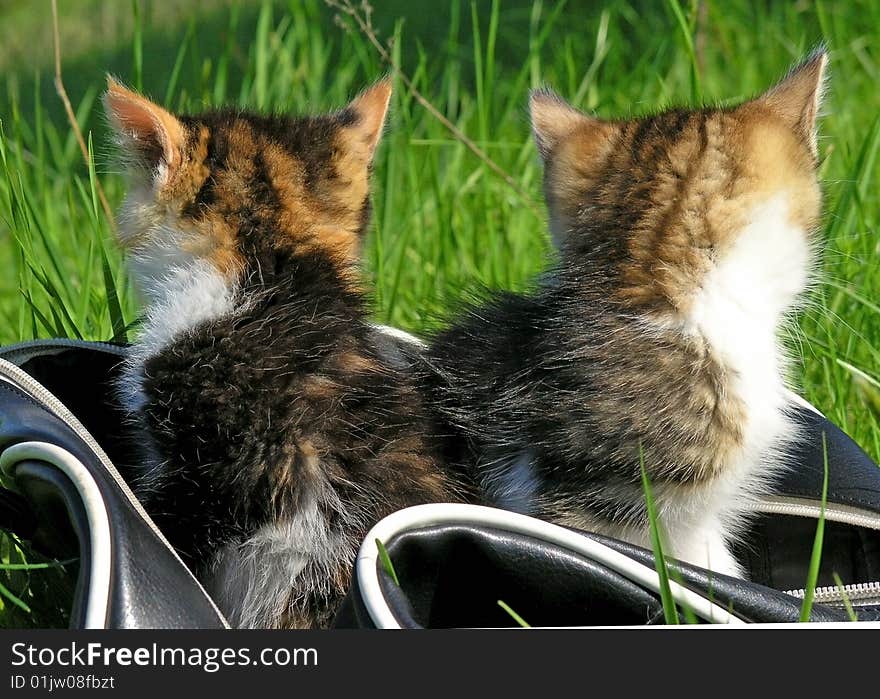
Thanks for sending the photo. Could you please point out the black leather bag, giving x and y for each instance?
(60, 436)
(58, 423)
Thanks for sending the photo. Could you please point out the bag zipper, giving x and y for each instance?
(859, 594)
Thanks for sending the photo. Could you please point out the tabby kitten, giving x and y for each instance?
(685, 239)
(280, 423)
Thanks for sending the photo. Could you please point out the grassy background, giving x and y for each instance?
(444, 223)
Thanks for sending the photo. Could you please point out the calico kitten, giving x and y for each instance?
(279, 423)
(685, 239)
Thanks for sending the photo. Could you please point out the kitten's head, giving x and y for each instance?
(243, 191)
(662, 201)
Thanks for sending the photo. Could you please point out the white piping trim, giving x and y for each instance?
(99, 523)
(803, 402)
(447, 513)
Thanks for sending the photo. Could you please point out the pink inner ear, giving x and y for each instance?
(154, 134)
(136, 122)
(798, 96)
(134, 118)
(371, 107)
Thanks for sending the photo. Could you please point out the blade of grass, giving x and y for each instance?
(516, 617)
(114, 307)
(687, 35)
(38, 316)
(18, 602)
(58, 309)
(689, 616)
(670, 612)
(37, 566)
(261, 56)
(816, 556)
(847, 605)
(385, 559)
(174, 76)
(137, 46)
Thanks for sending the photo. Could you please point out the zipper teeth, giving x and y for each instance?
(834, 513)
(854, 592)
(868, 592)
(31, 386)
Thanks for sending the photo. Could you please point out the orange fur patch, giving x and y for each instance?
(685, 195)
(319, 211)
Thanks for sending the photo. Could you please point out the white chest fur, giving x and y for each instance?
(180, 297)
(737, 311)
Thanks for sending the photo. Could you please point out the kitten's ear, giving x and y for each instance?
(151, 136)
(554, 119)
(369, 110)
(798, 96)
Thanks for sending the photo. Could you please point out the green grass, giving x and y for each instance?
(816, 554)
(670, 610)
(513, 615)
(385, 559)
(445, 225)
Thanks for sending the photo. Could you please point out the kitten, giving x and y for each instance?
(685, 239)
(280, 425)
